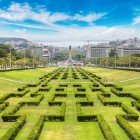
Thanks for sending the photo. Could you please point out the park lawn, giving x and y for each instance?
(132, 86)
(70, 128)
(113, 75)
(25, 76)
(67, 131)
(122, 77)
(30, 75)
(8, 86)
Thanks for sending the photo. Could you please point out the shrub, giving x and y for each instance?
(117, 87)
(20, 94)
(105, 84)
(87, 118)
(81, 89)
(33, 84)
(78, 108)
(130, 131)
(45, 88)
(131, 114)
(76, 85)
(63, 109)
(120, 93)
(105, 128)
(3, 105)
(59, 89)
(5, 97)
(35, 132)
(13, 131)
(55, 103)
(80, 95)
(22, 88)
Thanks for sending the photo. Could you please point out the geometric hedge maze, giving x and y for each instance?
(66, 89)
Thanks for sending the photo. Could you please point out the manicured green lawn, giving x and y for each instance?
(70, 129)
(121, 77)
(26, 76)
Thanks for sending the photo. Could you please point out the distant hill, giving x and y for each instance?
(16, 43)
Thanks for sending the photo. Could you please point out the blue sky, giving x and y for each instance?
(70, 20)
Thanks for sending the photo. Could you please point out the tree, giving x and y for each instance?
(112, 53)
(60, 56)
(78, 57)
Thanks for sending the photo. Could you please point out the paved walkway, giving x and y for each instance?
(12, 80)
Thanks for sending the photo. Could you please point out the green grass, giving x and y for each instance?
(116, 76)
(27, 76)
(70, 129)
(30, 75)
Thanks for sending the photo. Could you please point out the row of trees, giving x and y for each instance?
(63, 55)
(115, 61)
(9, 58)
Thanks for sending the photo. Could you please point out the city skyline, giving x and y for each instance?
(70, 21)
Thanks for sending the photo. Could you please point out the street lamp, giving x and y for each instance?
(129, 61)
(24, 57)
(115, 60)
(10, 58)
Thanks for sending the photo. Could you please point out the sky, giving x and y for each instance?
(65, 22)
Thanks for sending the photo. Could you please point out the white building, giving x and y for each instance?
(127, 51)
(42, 51)
(96, 51)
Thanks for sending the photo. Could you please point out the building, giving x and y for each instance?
(92, 51)
(36, 51)
(42, 51)
(127, 51)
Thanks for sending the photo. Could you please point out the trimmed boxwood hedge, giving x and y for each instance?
(3, 106)
(5, 97)
(79, 95)
(63, 85)
(105, 102)
(34, 84)
(105, 84)
(16, 127)
(95, 89)
(59, 89)
(55, 103)
(34, 101)
(130, 131)
(131, 114)
(87, 118)
(63, 109)
(86, 103)
(117, 87)
(20, 94)
(81, 89)
(13, 110)
(22, 88)
(35, 132)
(120, 93)
(76, 85)
(60, 95)
(45, 88)
(105, 128)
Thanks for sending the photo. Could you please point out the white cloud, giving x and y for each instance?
(18, 13)
(22, 12)
(21, 31)
(136, 20)
(78, 35)
(89, 18)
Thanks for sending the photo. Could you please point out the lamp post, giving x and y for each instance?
(24, 57)
(10, 58)
(129, 61)
(115, 60)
